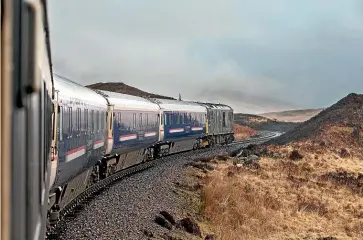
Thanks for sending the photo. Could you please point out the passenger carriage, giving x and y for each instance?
(135, 127)
(182, 124)
(81, 137)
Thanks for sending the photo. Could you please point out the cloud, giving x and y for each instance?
(254, 55)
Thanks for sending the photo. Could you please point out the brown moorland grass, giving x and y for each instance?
(285, 199)
(242, 132)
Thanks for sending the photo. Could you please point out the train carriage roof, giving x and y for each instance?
(69, 89)
(177, 105)
(124, 101)
(215, 106)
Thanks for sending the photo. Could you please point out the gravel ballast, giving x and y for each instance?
(128, 208)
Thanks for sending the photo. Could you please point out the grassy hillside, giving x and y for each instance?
(340, 125)
(242, 132)
(309, 188)
(261, 123)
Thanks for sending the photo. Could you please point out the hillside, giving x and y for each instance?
(309, 188)
(261, 123)
(242, 132)
(125, 89)
(341, 124)
(293, 115)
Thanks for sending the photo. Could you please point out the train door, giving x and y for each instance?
(161, 120)
(109, 123)
(54, 146)
(90, 135)
(224, 126)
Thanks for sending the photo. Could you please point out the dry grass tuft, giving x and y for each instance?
(317, 196)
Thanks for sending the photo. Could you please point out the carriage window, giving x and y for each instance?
(170, 118)
(224, 119)
(70, 124)
(102, 120)
(140, 120)
(182, 118)
(119, 119)
(177, 116)
(146, 119)
(65, 120)
(96, 121)
(134, 120)
(78, 119)
(165, 119)
(92, 121)
(85, 117)
(60, 117)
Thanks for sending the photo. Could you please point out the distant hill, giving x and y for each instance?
(340, 125)
(293, 115)
(261, 123)
(121, 87)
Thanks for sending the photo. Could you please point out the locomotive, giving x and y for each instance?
(100, 132)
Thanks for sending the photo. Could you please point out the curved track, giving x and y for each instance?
(99, 186)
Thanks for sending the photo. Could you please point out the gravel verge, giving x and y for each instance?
(127, 209)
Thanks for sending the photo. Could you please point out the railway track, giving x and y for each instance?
(99, 186)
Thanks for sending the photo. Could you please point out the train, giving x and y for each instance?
(98, 133)
(58, 137)
(27, 113)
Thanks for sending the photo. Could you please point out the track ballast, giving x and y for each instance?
(99, 186)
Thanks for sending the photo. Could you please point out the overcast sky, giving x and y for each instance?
(256, 55)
